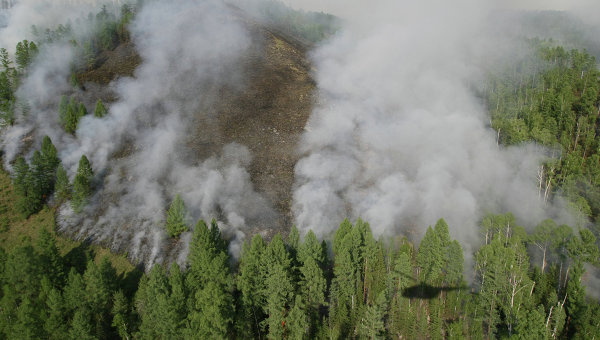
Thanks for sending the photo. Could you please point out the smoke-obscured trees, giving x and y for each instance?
(282, 290)
(100, 110)
(26, 52)
(69, 113)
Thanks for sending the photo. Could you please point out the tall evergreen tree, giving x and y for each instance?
(63, 186)
(430, 258)
(210, 284)
(176, 214)
(251, 284)
(82, 186)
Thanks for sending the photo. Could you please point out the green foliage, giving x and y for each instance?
(63, 186)
(100, 110)
(69, 113)
(298, 322)
(251, 284)
(27, 189)
(551, 97)
(210, 281)
(35, 183)
(310, 26)
(291, 289)
(82, 186)
(25, 53)
(372, 324)
(176, 214)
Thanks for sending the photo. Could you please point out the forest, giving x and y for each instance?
(521, 281)
(354, 286)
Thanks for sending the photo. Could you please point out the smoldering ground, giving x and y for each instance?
(399, 136)
(188, 49)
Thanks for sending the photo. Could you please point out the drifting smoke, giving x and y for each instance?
(399, 137)
(22, 14)
(189, 50)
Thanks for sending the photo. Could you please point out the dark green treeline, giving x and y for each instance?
(354, 286)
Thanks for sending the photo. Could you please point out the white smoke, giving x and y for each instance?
(188, 49)
(398, 137)
(40, 13)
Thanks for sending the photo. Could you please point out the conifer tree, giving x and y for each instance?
(372, 324)
(430, 258)
(176, 218)
(298, 322)
(120, 315)
(28, 186)
(100, 110)
(251, 283)
(178, 296)
(158, 320)
(210, 284)
(82, 186)
(25, 52)
(62, 187)
(50, 260)
(56, 322)
(74, 293)
(81, 326)
(5, 59)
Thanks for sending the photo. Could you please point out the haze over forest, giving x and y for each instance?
(441, 142)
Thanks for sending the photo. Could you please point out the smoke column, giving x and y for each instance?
(189, 50)
(398, 136)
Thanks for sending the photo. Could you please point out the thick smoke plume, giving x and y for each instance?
(399, 137)
(189, 50)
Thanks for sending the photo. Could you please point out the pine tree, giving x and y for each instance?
(298, 322)
(158, 320)
(28, 186)
(120, 313)
(100, 110)
(63, 187)
(55, 324)
(176, 218)
(372, 324)
(25, 53)
(210, 284)
(49, 156)
(454, 264)
(5, 59)
(100, 283)
(279, 286)
(81, 326)
(19, 305)
(178, 297)
(82, 187)
(74, 293)
(20, 176)
(27, 324)
(430, 257)
(251, 283)
(51, 262)
(70, 113)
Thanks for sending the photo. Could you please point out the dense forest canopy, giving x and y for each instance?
(510, 278)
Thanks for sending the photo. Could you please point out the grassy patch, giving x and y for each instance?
(16, 231)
